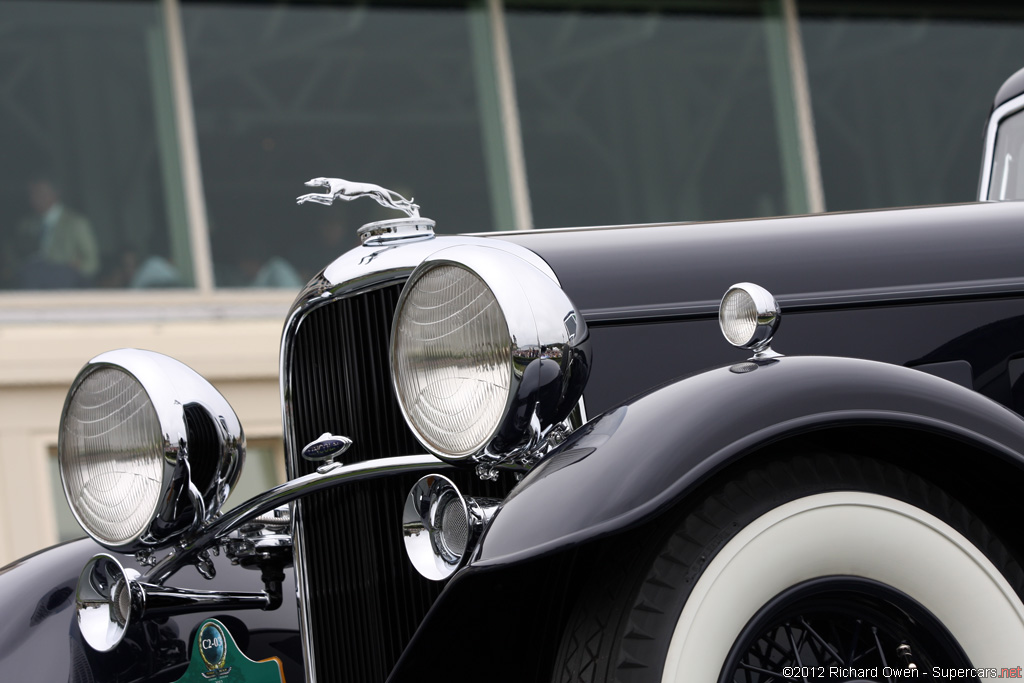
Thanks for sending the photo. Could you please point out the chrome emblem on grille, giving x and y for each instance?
(326, 448)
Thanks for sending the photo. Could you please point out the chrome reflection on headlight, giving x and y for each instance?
(147, 449)
(483, 344)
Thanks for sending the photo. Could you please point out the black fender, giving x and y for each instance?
(643, 456)
(40, 640)
(613, 478)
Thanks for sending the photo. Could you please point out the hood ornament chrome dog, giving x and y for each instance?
(412, 227)
(348, 190)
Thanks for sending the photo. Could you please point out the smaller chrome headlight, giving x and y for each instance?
(147, 449)
(440, 526)
(749, 316)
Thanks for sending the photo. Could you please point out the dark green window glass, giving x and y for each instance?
(654, 111)
(901, 96)
(287, 92)
(90, 187)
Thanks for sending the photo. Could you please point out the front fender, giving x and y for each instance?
(635, 460)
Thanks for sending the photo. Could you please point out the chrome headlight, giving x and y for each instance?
(147, 449)
(482, 344)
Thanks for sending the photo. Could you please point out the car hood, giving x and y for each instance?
(669, 271)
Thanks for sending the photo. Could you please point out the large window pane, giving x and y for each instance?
(900, 97)
(90, 189)
(637, 112)
(284, 93)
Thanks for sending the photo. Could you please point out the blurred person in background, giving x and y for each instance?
(54, 248)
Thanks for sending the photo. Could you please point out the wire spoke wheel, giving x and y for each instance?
(845, 629)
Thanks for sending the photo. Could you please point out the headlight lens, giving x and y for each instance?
(111, 455)
(452, 360)
(738, 317)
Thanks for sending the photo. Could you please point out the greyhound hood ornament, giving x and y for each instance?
(380, 232)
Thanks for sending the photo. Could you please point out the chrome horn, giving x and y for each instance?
(110, 598)
(104, 602)
(440, 526)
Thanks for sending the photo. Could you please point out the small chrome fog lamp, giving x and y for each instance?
(440, 526)
(147, 449)
(106, 591)
(749, 316)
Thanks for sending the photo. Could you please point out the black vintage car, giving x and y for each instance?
(531, 456)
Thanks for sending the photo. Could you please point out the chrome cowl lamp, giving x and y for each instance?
(147, 448)
(749, 316)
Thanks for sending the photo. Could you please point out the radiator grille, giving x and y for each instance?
(340, 381)
(363, 598)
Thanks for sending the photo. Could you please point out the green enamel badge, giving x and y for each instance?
(217, 659)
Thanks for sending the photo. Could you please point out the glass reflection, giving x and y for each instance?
(379, 94)
(901, 96)
(89, 186)
(660, 112)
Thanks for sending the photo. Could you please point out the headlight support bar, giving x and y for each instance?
(188, 550)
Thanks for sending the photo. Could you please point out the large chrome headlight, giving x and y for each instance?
(483, 343)
(147, 449)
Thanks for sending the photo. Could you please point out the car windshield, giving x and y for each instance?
(1007, 180)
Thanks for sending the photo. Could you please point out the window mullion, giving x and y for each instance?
(188, 146)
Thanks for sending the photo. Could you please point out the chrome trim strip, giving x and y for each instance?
(813, 301)
(287, 492)
(1011, 106)
(359, 270)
